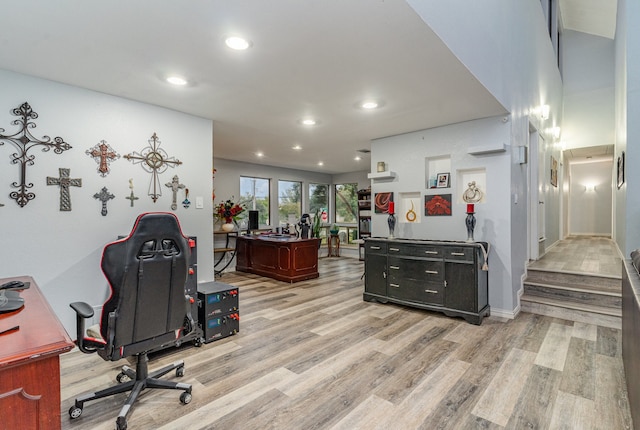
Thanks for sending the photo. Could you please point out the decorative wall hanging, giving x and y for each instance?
(620, 172)
(472, 194)
(554, 171)
(104, 196)
(155, 161)
(437, 205)
(103, 154)
(411, 215)
(175, 185)
(64, 181)
(381, 202)
(131, 196)
(186, 203)
(24, 141)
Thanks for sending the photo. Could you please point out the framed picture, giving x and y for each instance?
(437, 205)
(621, 170)
(381, 202)
(554, 171)
(443, 180)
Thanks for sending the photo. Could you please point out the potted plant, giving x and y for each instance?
(334, 229)
(315, 227)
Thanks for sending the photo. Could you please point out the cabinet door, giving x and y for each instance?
(375, 267)
(461, 287)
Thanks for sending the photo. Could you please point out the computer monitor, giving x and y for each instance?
(253, 220)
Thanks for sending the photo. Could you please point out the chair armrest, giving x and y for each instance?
(83, 311)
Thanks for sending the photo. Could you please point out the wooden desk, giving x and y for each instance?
(30, 363)
(284, 259)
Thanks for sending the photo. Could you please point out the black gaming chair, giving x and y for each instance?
(147, 310)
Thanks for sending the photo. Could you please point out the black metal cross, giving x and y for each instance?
(64, 181)
(24, 141)
(103, 154)
(155, 161)
(175, 185)
(104, 196)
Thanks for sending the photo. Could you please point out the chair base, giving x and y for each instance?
(140, 379)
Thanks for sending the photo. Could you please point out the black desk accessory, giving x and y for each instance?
(10, 330)
(10, 299)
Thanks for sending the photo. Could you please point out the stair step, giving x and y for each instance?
(588, 296)
(581, 280)
(572, 305)
(582, 313)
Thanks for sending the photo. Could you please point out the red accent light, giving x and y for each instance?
(191, 271)
(192, 243)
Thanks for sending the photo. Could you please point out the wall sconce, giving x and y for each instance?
(590, 188)
(554, 132)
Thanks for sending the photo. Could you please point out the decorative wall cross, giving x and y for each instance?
(24, 141)
(155, 161)
(131, 196)
(104, 196)
(104, 154)
(175, 185)
(64, 181)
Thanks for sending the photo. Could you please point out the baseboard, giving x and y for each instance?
(503, 313)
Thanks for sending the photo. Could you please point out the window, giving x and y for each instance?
(318, 198)
(346, 203)
(255, 191)
(289, 201)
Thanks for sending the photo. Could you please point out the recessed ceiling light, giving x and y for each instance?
(176, 80)
(357, 158)
(237, 43)
(320, 163)
(296, 147)
(259, 154)
(309, 121)
(369, 104)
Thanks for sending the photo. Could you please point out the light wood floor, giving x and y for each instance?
(314, 355)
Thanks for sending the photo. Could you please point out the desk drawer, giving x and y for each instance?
(375, 247)
(415, 250)
(423, 270)
(416, 291)
(459, 253)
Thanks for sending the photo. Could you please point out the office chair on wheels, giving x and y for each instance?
(147, 310)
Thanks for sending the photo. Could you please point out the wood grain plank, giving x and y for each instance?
(554, 348)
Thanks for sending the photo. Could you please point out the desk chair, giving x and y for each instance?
(147, 309)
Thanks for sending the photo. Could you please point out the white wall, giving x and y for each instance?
(62, 250)
(589, 209)
(506, 45)
(408, 156)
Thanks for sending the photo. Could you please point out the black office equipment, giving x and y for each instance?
(147, 308)
(253, 220)
(218, 310)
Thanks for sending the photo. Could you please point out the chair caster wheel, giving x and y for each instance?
(75, 412)
(197, 342)
(185, 398)
(122, 377)
(180, 372)
(121, 423)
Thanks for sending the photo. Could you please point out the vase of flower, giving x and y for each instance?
(228, 226)
(228, 212)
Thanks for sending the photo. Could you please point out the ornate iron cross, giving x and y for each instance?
(104, 196)
(131, 196)
(175, 185)
(155, 161)
(65, 182)
(24, 141)
(104, 154)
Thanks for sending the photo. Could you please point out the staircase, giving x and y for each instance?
(583, 297)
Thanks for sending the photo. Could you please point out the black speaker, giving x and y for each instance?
(253, 220)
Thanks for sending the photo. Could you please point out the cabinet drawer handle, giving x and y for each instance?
(394, 267)
(394, 285)
(374, 247)
(458, 253)
(431, 252)
(431, 291)
(433, 272)
(394, 249)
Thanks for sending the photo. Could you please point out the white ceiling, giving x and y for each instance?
(309, 58)
(317, 58)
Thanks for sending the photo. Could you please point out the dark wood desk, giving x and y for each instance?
(284, 259)
(30, 363)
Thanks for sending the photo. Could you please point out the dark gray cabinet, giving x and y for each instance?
(436, 275)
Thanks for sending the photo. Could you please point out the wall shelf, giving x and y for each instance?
(382, 175)
(487, 149)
